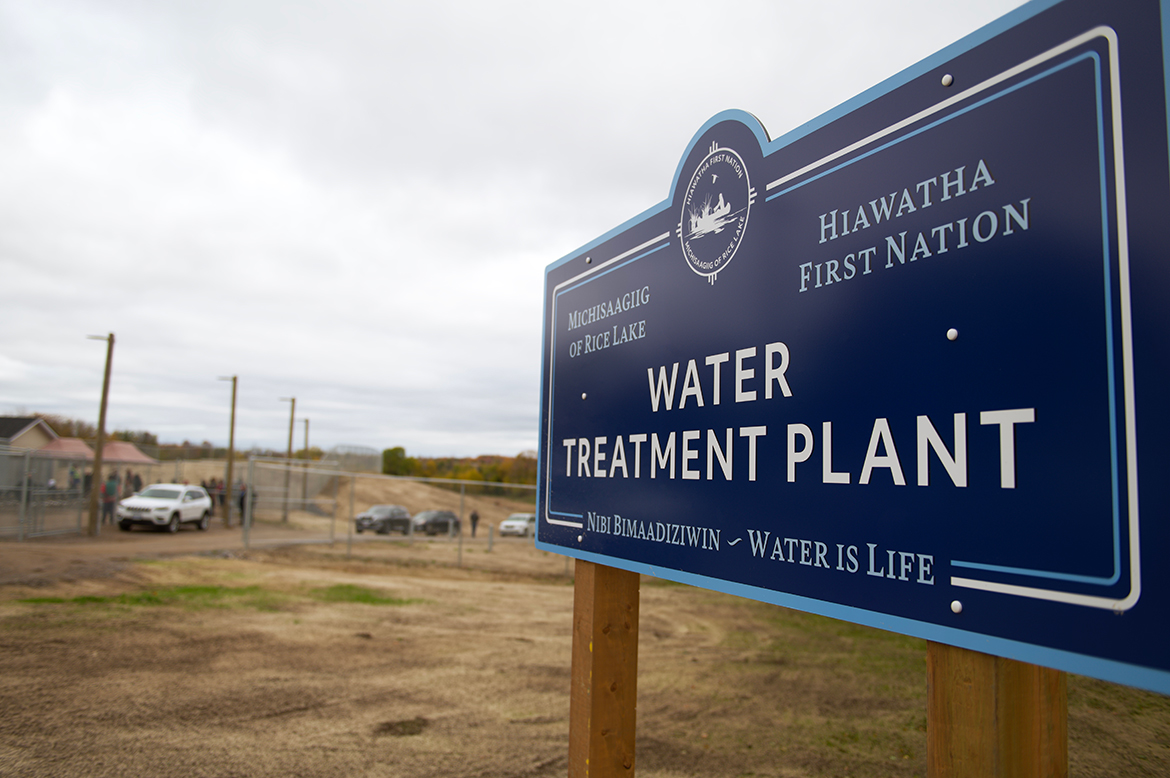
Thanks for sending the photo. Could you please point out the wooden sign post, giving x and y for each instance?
(990, 717)
(603, 698)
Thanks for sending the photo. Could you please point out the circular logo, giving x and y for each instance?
(715, 212)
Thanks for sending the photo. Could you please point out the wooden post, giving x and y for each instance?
(96, 482)
(989, 717)
(231, 456)
(603, 697)
(292, 415)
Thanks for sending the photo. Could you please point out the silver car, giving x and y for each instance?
(521, 524)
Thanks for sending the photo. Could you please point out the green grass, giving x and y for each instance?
(358, 594)
(189, 597)
(207, 597)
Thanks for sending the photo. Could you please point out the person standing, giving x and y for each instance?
(474, 520)
(109, 496)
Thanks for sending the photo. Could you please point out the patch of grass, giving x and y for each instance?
(189, 597)
(358, 594)
(405, 728)
(740, 639)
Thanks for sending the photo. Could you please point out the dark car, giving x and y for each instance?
(383, 519)
(437, 523)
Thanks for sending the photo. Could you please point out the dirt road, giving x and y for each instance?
(182, 655)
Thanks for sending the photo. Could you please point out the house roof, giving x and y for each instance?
(68, 448)
(14, 426)
(123, 453)
(114, 452)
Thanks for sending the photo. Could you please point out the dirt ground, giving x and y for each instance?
(183, 655)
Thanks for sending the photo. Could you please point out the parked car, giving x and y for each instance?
(437, 523)
(166, 506)
(522, 524)
(383, 519)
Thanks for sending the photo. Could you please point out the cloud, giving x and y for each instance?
(354, 202)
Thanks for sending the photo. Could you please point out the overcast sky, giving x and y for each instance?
(353, 203)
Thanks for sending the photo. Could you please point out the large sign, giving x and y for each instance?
(903, 366)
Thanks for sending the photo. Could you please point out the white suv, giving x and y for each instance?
(166, 505)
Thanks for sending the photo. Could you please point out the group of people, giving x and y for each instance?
(215, 489)
(124, 486)
(218, 491)
(113, 487)
(129, 485)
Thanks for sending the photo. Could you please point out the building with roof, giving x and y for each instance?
(67, 448)
(25, 432)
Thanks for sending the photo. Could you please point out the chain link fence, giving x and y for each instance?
(40, 494)
(318, 502)
(287, 501)
(48, 494)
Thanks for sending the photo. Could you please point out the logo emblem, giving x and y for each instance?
(715, 212)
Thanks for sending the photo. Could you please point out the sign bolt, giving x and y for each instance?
(956, 606)
(580, 538)
(588, 260)
(952, 334)
(583, 395)
(947, 80)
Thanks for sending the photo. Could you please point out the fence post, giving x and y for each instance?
(990, 717)
(462, 487)
(333, 523)
(349, 524)
(491, 532)
(25, 477)
(249, 500)
(80, 494)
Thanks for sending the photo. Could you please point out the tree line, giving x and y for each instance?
(76, 428)
(520, 469)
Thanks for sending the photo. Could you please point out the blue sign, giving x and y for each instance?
(903, 366)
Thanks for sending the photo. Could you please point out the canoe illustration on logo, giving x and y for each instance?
(715, 212)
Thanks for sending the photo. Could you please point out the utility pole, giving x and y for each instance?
(292, 414)
(96, 480)
(231, 457)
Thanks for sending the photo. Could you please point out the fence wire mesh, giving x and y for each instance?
(320, 501)
(288, 502)
(47, 494)
(39, 494)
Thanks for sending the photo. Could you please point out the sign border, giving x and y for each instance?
(1107, 669)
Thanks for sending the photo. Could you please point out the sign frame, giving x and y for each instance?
(1137, 420)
